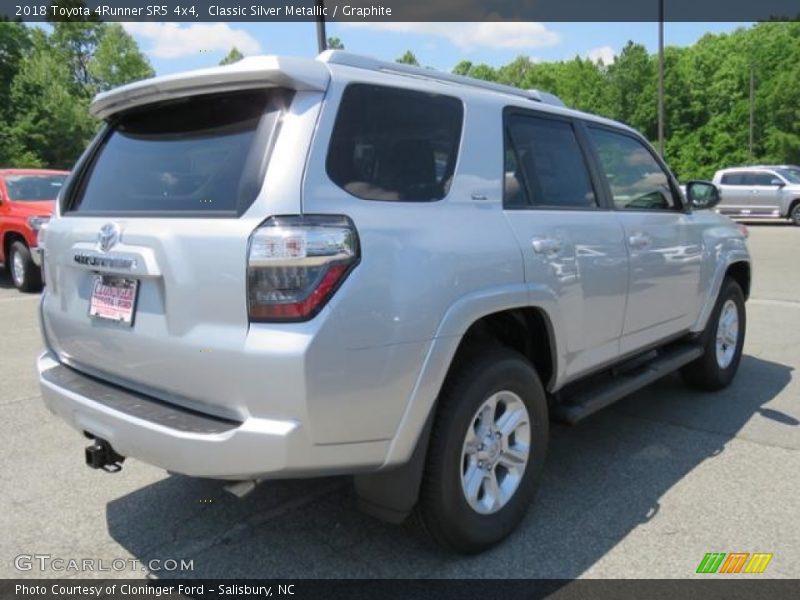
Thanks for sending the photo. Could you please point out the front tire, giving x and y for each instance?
(794, 214)
(486, 452)
(25, 275)
(723, 340)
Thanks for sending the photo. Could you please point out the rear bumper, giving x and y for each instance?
(192, 443)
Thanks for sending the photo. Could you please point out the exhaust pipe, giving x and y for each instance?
(100, 455)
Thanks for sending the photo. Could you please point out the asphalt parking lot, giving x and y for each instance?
(642, 489)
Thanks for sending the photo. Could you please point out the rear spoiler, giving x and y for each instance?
(254, 72)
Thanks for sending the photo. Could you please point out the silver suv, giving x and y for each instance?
(760, 192)
(293, 268)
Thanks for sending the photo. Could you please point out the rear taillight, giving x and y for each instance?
(296, 263)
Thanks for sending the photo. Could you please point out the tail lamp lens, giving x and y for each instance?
(296, 263)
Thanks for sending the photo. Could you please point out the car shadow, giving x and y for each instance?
(604, 477)
(5, 279)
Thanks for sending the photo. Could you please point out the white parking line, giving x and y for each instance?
(769, 302)
(18, 298)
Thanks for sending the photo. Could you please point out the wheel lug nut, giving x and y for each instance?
(497, 434)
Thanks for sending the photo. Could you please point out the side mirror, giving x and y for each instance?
(702, 195)
(780, 183)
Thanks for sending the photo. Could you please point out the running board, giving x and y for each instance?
(587, 401)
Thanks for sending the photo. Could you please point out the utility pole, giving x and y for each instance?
(322, 41)
(661, 77)
(752, 108)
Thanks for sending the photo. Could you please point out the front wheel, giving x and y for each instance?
(486, 453)
(794, 214)
(723, 340)
(25, 275)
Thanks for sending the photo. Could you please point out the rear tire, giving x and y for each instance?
(25, 275)
(722, 340)
(486, 452)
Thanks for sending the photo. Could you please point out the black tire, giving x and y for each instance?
(30, 280)
(794, 213)
(443, 509)
(705, 373)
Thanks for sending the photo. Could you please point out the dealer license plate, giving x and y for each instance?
(114, 299)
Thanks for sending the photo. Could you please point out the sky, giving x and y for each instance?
(173, 47)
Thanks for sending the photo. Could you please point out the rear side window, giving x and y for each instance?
(202, 155)
(395, 144)
(544, 165)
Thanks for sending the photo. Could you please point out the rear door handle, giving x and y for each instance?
(639, 240)
(546, 245)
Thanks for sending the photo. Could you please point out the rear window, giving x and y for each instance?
(28, 188)
(200, 155)
(395, 144)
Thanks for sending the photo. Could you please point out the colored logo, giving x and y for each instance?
(734, 562)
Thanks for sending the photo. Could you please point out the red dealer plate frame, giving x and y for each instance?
(114, 299)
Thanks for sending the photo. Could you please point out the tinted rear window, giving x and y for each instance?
(22, 188)
(200, 155)
(545, 165)
(395, 144)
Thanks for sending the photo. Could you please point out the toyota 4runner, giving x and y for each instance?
(295, 267)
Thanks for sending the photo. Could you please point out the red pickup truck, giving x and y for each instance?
(27, 199)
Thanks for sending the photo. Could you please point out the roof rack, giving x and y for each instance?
(339, 57)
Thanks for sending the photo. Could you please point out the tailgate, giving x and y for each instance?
(163, 208)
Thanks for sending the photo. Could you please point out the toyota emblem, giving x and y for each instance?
(108, 236)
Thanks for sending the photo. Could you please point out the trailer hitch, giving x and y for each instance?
(100, 455)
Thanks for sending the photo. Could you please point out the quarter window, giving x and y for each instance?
(636, 179)
(395, 144)
(544, 165)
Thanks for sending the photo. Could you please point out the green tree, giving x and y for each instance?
(49, 79)
(15, 42)
(334, 43)
(408, 58)
(76, 39)
(117, 60)
(462, 68)
(632, 89)
(51, 124)
(233, 56)
(516, 72)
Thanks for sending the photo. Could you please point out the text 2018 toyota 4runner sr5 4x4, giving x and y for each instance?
(295, 267)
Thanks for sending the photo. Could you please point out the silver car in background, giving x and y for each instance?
(760, 191)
